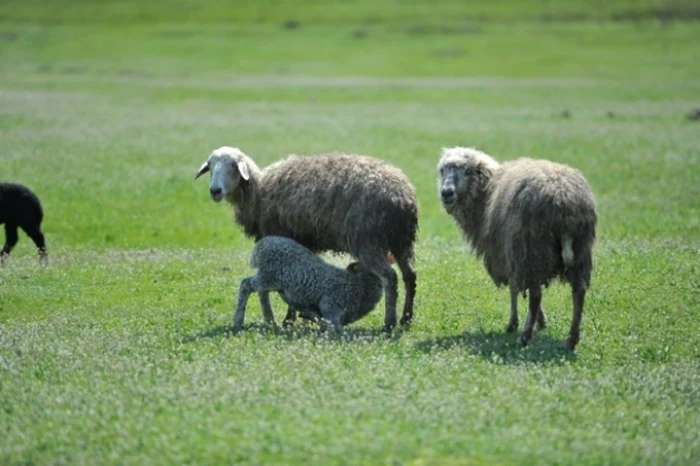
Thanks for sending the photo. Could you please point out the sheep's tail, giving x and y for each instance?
(567, 250)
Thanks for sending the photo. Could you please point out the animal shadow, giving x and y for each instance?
(300, 330)
(502, 348)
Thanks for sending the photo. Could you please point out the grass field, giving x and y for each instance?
(121, 350)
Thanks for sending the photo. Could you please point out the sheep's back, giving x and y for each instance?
(18, 204)
(339, 203)
(533, 203)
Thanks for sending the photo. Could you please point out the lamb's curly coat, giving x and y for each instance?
(531, 221)
(336, 202)
(307, 283)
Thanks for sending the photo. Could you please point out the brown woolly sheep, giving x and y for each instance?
(530, 220)
(336, 202)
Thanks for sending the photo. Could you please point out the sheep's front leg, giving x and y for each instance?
(290, 318)
(244, 291)
(11, 239)
(331, 312)
(535, 303)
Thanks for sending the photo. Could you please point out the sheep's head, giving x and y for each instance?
(228, 168)
(463, 174)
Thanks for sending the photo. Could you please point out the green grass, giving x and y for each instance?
(121, 351)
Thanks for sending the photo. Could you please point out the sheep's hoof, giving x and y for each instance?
(287, 323)
(406, 320)
(512, 327)
(571, 344)
(523, 341)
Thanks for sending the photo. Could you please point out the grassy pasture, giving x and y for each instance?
(120, 352)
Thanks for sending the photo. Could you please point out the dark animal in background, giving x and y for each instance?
(338, 202)
(531, 221)
(20, 208)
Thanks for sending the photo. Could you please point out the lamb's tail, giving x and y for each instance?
(254, 259)
(567, 250)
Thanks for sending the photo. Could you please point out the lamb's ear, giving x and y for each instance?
(243, 170)
(202, 170)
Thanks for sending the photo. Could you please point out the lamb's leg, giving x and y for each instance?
(514, 322)
(290, 318)
(331, 312)
(244, 291)
(408, 273)
(268, 316)
(578, 296)
(11, 239)
(38, 237)
(377, 264)
(535, 302)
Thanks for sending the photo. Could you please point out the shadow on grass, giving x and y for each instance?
(502, 348)
(301, 330)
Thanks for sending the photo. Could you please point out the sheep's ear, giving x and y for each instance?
(243, 170)
(354, 267)
(202, 170)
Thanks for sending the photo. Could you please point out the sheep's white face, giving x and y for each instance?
(459, 170)
(227, 166)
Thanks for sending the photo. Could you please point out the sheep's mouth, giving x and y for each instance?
(449, 203)
(217, 197)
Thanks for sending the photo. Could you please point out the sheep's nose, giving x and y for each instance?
(448, 196)
(215, 191)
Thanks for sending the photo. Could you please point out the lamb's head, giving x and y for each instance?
(228, 167)
(369, 284)
(463, 175)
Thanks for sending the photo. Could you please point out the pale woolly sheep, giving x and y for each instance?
(337, 202)
(307, 283)
(531, 221)
(21, 208)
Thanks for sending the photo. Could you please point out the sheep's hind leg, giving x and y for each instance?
(377, 264)
(578, 296)
(542, 319)
(244, 290)
(268, 315)
(514, 322)
(535, 302)
(408, 274)
(11, 239)
(38, 237)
